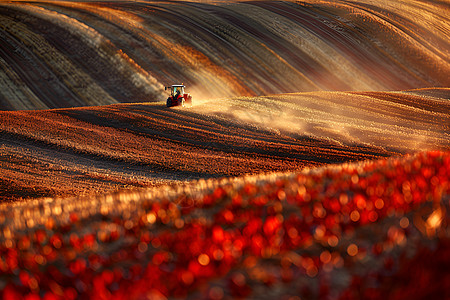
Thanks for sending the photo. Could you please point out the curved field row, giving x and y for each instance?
(100, 149)
(86, 91)
(369, 230)
(65, 54)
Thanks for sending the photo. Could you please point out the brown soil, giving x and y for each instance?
(69, 54)
(100, 149)
(88, 150)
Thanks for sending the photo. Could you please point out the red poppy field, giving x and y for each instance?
(313, 164)
(353, 231)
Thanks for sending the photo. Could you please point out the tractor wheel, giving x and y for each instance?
(169, 102)
(181, 102)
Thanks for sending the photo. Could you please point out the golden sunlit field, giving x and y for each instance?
(312, 164)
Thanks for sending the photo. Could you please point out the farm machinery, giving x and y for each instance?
(178, 97)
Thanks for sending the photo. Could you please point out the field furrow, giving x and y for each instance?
(91, 53)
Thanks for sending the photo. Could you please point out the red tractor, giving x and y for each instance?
(178, 97)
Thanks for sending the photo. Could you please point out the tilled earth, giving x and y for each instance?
(56, 54)
(101, 149)
(82, 151)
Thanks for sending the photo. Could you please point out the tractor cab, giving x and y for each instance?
(174, 89)
(178, 97)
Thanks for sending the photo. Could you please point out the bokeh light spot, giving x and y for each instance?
(352, 250)
(404, 222)
(203, 259)
(354, 216)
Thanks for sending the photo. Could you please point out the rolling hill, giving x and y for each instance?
(56, 54)
(78, 151)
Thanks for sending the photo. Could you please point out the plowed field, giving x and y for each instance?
(69, 53)
(101, 149)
